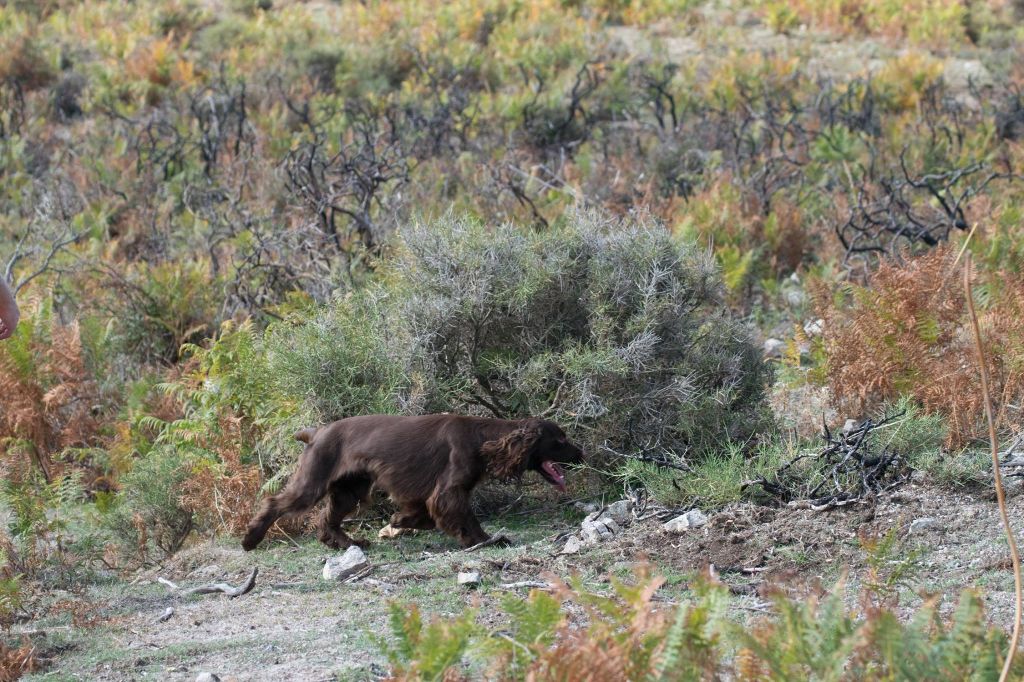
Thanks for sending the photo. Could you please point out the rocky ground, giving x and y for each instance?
(296, 625)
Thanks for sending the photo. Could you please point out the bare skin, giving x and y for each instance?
(9, 314)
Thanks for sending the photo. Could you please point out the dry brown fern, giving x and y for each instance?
(15, 662)
(51, 404)
(906, 333)
(223, 495)
(223, 498)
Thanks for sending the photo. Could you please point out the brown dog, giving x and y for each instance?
(428, 465)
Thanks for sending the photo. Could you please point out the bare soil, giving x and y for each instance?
(296, 626)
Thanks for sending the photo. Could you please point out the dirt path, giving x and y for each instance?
(296, 626)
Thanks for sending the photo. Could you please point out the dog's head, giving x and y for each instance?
(538, 445)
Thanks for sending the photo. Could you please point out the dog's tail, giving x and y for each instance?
(306, 435)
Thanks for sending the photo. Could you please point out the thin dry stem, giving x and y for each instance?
(1000, 496)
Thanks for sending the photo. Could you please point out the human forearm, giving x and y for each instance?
(9, 314)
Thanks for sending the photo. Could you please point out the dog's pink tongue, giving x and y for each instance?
(555, 471)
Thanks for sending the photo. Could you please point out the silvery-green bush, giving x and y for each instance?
(613, 328)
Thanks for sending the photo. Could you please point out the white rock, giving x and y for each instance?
(814, 327)
(774, 348)
(341, 567)
(795, 297)
(620, 511)
(850, 425)
(694, 518)
(572, 545)
(207, 677)
(923, 524)
(469, 578)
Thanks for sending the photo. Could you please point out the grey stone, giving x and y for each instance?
(774, 348)
(694, 518)
(469, 578)
(960, 74)
(572, 545)
(849, 426)
(207, 677)
(598, 530)
(925, 523)
(341, 567)
(620, 511)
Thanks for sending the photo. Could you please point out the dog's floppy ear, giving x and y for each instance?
(508, 456)
(305, 435)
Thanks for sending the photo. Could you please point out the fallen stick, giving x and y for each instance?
(526, 583)
(173, 587)
(212, 588)
(359, 575)
(500, 538)
(227, 589)
(166, 615)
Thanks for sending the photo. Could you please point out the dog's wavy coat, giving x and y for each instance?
(427, 464)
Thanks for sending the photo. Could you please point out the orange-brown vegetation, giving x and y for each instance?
(905, 332)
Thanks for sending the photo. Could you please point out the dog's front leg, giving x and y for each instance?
(450, 508)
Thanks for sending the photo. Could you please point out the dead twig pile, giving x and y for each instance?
(846, 470)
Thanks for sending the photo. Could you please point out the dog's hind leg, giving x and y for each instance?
(345, 495)
(306, 487)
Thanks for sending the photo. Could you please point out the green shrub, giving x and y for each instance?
(343, 361)
(922, 438)
(611, 328)
(148, 513)
(162, 307)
